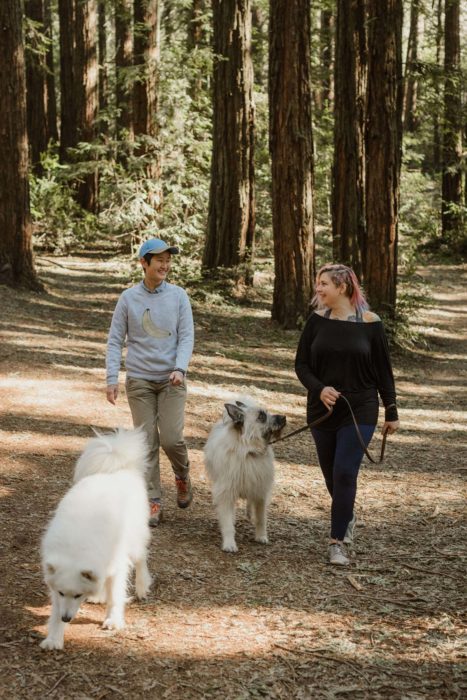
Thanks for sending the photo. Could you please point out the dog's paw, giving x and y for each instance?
(143, 594)
(229, 547)
(142, 591)
(50, 643)
(113, 623)
(262, 539)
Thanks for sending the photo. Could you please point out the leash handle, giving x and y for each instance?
(321, 419)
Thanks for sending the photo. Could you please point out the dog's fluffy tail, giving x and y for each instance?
(111, 452)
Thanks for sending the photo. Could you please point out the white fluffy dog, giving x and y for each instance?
(240, 464)
(99, 530)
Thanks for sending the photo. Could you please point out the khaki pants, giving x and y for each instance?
(160, 408)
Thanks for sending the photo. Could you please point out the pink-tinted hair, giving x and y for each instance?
(342, 274)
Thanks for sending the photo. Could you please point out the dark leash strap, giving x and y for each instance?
(316, 422)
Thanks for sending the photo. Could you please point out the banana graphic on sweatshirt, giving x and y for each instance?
(151, 328)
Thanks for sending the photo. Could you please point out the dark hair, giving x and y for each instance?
(148, 257)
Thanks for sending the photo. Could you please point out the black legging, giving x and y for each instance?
(340, 455)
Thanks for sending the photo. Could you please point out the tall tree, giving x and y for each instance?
(383, 151)
(196, 32)
(291, 148)
(79, 89)
(196, 38)
(451, 219)
(36, 72)
(68, 117)
(436, 85)
(146, 57)
(411, 70)
(103, 72)
(16, 262)
(86, 99)
(231, 220)
(326, 36)
(123, 62)
(52, 130)
(348, 182)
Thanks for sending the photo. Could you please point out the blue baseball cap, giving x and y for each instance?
(155, 246)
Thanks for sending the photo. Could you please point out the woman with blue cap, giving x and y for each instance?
(155, 319)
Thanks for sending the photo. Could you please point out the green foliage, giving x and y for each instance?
(402, 329)
(60, 224)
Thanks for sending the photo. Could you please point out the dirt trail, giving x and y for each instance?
(276, 621)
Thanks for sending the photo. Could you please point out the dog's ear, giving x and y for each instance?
(89, 576)
(240, 404)
(235, 413)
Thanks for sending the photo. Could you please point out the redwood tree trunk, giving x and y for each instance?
(36, 71)
(348, 192)
(383, 151)
(16, 264)
(86, 92)
(123, 61)
(452, 127)
(436, 85)
(411, 82)
(68, 118)
(147, 17)
(103, 73)
(231, 221)
(326, 54)
(52, 131)
(291, 148)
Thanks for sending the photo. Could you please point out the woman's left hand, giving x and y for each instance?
(390, 426)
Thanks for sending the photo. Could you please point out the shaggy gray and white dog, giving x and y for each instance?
(240, 464)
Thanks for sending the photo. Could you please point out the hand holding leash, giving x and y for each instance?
(390, 427)
(329, 396)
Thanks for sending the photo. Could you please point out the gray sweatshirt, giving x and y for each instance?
(158, 328)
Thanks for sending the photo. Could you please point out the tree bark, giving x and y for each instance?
(291, 147)
(68, 117)
(16, 261)
(36, 71)
(196, 33)
(103, 72)
(86, 99)
(348, 187)
(451, 219)
(231, 220)
(196, 38)
(52, 130)
(146, 56)
(411, 69)
(436, 86)
(326, 55)
(123, 61)
(383, 151)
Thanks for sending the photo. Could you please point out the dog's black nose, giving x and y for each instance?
(66, 618)
(280, 421)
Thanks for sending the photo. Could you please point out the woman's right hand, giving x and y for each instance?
(329, 396)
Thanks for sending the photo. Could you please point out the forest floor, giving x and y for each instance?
(271, 621)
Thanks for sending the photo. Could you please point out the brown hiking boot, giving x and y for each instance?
(184, 491)
(155, 517)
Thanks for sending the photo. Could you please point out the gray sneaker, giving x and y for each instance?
(349, 534)
(337, 554)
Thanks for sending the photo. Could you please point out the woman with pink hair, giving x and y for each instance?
(343, 350)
